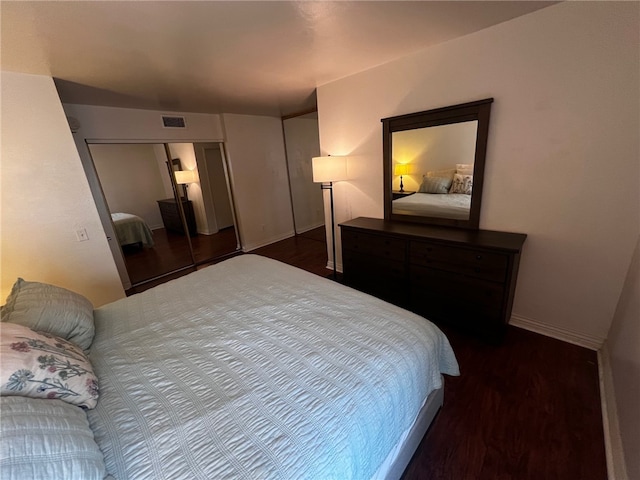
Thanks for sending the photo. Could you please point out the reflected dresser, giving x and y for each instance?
(463, 278)
(171, 216)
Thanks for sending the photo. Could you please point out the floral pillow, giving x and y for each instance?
(462, 184)
(40, 365)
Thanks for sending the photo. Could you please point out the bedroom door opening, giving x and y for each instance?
(162, 222)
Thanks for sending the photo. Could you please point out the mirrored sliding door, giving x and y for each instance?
(158, 197)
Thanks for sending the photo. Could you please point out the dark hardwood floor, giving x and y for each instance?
(307, 251)
(528, 409)
(171, 252)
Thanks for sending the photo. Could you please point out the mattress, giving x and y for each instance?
(253, 369)
(131, 229)
(441, 205)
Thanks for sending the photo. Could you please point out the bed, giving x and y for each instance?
(253, 369)
(131, 230)
(441, 205)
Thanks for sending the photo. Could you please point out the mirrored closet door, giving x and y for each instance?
(170, 205)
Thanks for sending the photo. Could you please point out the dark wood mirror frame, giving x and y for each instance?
(473, 111)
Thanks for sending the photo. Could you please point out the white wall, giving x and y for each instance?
(623, 346)
(137, 126)
(255, 149)
(131, 179)
(302, 143)
(562, 158)
(45, 197)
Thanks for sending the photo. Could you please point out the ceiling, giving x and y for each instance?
(252, 57)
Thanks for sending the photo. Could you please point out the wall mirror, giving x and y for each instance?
(434, 164)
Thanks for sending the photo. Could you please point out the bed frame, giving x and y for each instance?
(415, 435)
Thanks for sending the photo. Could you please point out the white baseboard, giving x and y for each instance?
(330, 266)
(587, 341)
(616, 467)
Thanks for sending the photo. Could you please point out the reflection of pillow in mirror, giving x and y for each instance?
(447, 173)
(464, 168)
(462, 184)
(435, 185)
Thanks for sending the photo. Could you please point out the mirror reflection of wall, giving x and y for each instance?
(302, 143)
(214, 188)
(137, 187)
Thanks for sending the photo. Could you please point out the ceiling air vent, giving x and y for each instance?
(173, 122)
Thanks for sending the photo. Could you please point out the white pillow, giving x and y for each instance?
(40, 365)
(446, 173)
(464, 168)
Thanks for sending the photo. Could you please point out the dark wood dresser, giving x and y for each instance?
(171, 216)
(463, 278)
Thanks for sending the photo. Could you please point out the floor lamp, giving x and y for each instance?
(327, 170)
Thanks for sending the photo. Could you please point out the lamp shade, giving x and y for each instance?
(329, 169)
(401, 169)
(186, 176)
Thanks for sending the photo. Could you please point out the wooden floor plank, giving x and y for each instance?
(526, 409)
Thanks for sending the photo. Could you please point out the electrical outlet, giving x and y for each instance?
(82, 235)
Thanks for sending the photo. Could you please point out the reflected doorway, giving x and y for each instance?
(163, 224)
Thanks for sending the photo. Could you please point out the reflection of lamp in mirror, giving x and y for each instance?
(185, 177)
(327, 170)
(401, 169)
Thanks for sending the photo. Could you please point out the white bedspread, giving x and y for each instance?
(447, 205)
(252, 369)
(131, 229)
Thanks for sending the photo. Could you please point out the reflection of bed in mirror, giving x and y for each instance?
(131, 230)
(439, 205)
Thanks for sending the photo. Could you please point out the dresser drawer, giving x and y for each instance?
(387, 269)
(383, 278)
(460, 289)
(476, 263)
(374, 245)
(461, 278)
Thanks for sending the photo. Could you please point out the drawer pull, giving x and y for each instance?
(478, 257)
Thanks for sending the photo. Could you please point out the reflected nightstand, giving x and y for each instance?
(396, 194)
